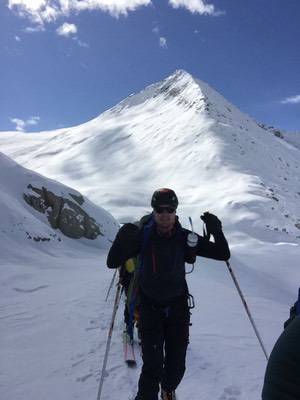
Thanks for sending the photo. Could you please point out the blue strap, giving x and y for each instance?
(147, 228)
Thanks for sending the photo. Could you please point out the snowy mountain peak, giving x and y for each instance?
(180, 133)
(180, 73)
(183, 90)
(180, 79)
(180, 85)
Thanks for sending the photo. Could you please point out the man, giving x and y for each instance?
(163, 247)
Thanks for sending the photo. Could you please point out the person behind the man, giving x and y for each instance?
(282, 376)
(163, 247)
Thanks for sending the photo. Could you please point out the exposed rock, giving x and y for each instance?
(276, 132)
(274, 198)
(63, 214)
(79, 199)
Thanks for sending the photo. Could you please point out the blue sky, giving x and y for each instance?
(64, 62)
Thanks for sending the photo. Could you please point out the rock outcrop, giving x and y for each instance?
(62, 213)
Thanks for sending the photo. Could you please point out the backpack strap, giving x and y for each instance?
(133, 290)
(146, 232)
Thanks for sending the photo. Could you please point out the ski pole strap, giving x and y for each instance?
(247, 309)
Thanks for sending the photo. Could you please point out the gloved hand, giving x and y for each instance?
(212, 222)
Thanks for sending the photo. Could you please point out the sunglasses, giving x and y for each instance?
(160, 210)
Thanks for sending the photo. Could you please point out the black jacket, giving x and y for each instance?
(161, 272)
(282, 377)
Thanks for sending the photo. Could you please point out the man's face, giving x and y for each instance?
(165, 217)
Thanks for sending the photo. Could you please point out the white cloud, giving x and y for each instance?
(163, 42)
(44, 11)
(33, 29)
(292, 100)
(17, 39)
(38, 11)
(82, 44)
(70, 30)
(196, 6)
(21, 124)
(66, 30)
(33, 121)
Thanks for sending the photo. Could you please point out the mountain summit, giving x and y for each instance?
(178, 133)
(182, 89)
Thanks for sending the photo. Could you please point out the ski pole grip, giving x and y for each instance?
(192, 239)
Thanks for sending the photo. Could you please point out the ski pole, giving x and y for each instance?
(191, 223)
(111, 284)
(247, 309)
(115, 309)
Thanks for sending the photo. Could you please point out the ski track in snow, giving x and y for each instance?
(61, 332)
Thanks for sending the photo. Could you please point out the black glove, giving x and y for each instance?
(212, 222)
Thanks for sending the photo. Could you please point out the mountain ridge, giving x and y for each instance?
(181, 133)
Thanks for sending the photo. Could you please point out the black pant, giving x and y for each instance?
(164, 334)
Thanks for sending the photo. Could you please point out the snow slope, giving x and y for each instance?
(182, 134)
(293, 138)
(20, 223)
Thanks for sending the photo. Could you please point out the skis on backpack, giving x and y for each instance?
(129, 355)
